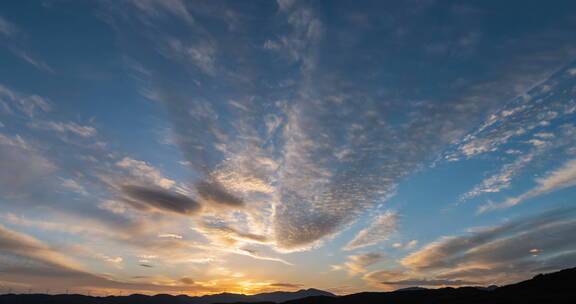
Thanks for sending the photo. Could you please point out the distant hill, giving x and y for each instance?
(557, 287)
(283, 296)
(270, 297)
(411, 288)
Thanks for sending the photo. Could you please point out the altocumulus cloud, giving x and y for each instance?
(313, 151)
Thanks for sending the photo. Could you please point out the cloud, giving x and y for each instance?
(324, 142)
(545, 135)
(284, 5)
(222, 229)
(71, 127)
(7, 28)
(170, 235)
(32, 273)
(411, 244)
(26, 260)
(502, 179)
(117, 207)
(162, 199)
(215, 193)
(307, 31)
(23, 245)
(503, 253)
(74, 186)
(62, 225)
(39, 64)
(561, 178)
(202, 56)
(30, 105)
(525, 114)
(120, 232)
(115, 260)
(257, 254)
(145, 172)
(382, 227)
(358, 263)
(286, 285)
(384, 275)
(187, 281)
(154, 8)
(22, 168)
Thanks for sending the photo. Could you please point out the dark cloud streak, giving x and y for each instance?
(162, 199)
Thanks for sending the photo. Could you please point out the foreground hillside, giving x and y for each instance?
(558, 287)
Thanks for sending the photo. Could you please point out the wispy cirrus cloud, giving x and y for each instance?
(28, 261)
(70, 127)
(39, 64)
(23, 167)
(222, 229)
(563, 177)
(140, 170)
(359, 263)
(7, 28)
(528, 114)
(13, 33)
(502, 179)
(74, 186)
(14, 102)
(157, 9)
(382, 227)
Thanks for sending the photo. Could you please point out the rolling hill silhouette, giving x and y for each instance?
(557, 287)
(270, 297)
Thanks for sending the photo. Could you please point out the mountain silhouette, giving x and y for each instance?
(270, 297)
(283, 296)
(557, 287)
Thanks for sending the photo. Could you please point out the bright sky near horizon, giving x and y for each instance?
(167, 146)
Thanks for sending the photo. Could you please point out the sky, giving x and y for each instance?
(198, 147)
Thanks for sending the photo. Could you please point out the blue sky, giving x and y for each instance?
(246, 146)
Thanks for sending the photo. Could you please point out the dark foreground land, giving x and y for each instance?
(558, 287)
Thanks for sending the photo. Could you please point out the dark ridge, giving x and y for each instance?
(557, 287)
(271, 297)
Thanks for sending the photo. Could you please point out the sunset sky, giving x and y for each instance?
(174, 146)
